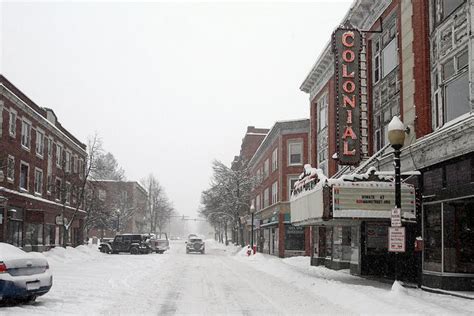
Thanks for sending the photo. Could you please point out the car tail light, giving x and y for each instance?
(3, 268)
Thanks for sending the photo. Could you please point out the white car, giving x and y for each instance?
(23, 275)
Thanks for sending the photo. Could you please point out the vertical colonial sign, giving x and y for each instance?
(346, 45)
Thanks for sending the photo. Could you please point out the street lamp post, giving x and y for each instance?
(396, 137)
(252, 211)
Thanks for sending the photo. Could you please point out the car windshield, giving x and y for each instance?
(195, 240)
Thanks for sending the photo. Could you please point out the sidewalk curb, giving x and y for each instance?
(438, 291)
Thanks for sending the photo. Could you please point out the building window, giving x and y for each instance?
(275, 192)
(50, 147)
(458, 239)
(295, 154)
(49, 184)
(11, 169)
(59, 155)
(291, 185)
(266, 197)
(275, 159)
(25, 134)
(322, 106)
(39, 181)
(266, 168)
(444, 8)
(57, 189)
(102, 195)
(24, 173)
(389, 57)
(81, 168)
(68, 192)
(376, 61)
(67, 161)
(12, 123)
(457, 97)
(257, 203)
(39, 143)
(74, 163)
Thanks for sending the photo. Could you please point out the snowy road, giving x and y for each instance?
(219, 282)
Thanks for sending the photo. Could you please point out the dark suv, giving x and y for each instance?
(195, 244)
(132, 243)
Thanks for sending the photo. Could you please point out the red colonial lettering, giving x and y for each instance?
(345, 74)
(349, 101)
(348, 152)
(348, 56)
(348, 86)
(346, 36)
(349, 133)
(349, 116)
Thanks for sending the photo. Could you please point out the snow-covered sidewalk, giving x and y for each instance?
(358, 295)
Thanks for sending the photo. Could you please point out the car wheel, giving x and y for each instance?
(202, 252)
(134, 251)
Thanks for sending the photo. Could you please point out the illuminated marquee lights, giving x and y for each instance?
(346, 44)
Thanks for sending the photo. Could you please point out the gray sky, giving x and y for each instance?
(168, 86)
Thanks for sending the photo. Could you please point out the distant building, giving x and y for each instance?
(277, 163)
(124, 208)
(41, 164)
(250, 143)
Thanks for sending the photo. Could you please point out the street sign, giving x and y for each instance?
(396, 217)
(396, 239)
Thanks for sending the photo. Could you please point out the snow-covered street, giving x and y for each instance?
(223, 281)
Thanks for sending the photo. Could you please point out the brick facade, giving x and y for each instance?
(43, 170)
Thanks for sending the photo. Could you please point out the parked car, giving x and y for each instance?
(132, 243)
(195, 244)
(23, 275)
(158, 243)
(105, 246)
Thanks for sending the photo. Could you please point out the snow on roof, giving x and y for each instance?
(37, 198)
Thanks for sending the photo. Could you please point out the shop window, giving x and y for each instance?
(49, 235)
(457, 97)
(329, 231)
(294, 238)
(432, 237)
(458, 230)
(33, 234)
(15, 226)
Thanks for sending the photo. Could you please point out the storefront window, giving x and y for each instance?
(33, 234)
(294, 237)
(49, 235)
(458, 218)
(329, 242)
(432, 237)
(15, 226)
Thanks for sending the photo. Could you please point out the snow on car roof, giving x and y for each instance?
(9, 251)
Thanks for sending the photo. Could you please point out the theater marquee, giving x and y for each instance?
(346, 45)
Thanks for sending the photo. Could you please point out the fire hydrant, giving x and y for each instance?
(249, 251)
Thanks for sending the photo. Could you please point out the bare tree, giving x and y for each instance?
(159, 206)
(71, 189)
(228, 198)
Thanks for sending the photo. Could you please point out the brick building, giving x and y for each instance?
(41, 167)
(416, 62)
(124, 205)
(277, 163)
(250, 143)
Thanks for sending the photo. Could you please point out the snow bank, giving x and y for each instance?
(70, 255)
